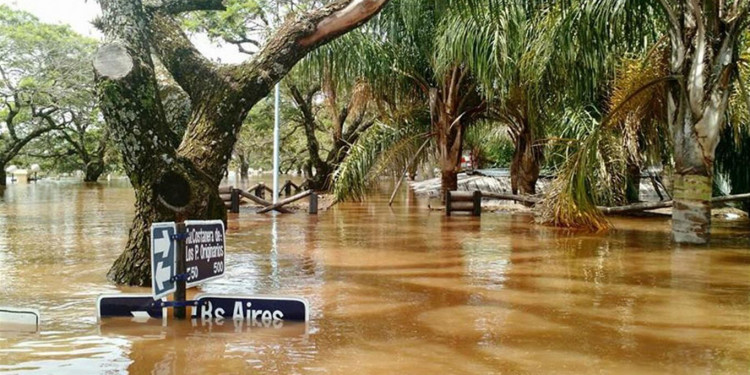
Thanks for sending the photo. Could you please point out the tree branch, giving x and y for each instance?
(355, 13)
(182, 6)
(313, 147)
(297, 37)
(12, 113)
(102, 148)
(77, 146)
(17, 146)
(188, 66)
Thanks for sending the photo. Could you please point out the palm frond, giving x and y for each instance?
(590, 177)
(595, 173)
(381, 148)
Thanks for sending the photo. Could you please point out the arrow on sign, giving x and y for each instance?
(162, 245)
(163, 274)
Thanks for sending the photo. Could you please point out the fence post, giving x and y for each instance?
(448, 203)
(313, 207)
(288, 188)
(260, 191)
(235, 209)
(477, 203)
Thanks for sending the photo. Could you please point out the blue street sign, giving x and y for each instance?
(204, 251)
(139, 306)
(251, 308)
(163, 255)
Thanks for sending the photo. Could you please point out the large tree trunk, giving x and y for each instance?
(448, 131)
(3, 175)
(692, 184)
(168, 186)
(244, 169)
(174, 185)
(449, 144)
(93, 170)
(524, 168)
(161, 202)
(321, 179)
(704, 52)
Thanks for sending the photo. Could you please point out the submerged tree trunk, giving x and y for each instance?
(704, 41)
(453, 107)
(524, 168)
(244, 171)
(692, 185)
(93, 170)
(170, 198)
(174, 185)
(449, 142)
(168, 186)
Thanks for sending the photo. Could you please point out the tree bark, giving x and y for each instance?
(448, 131)
(320, 180)
(174, 185)
(524, 168)
(244, 168)
(449, 143)
(3, 175)
(168, 187)
(704, 54)
(93, 170)
(453, 107)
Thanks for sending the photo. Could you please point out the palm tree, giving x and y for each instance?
(411, 86)
(704, 41)
(470, 63)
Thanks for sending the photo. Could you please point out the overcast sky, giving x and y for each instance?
(79, 13)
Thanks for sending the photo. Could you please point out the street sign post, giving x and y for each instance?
(204, 251)
(139, 306)
(185, 255)
(251, 308)
(163, 253)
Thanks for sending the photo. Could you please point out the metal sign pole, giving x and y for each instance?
(277, 119)
(179, 295)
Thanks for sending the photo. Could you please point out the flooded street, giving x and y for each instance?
(397, 290)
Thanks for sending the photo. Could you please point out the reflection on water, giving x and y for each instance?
(392, 290)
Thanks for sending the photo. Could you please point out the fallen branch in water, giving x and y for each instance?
(512, 197)
(645, 206)
(635, 207)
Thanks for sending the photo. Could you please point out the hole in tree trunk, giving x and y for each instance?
(173, 190)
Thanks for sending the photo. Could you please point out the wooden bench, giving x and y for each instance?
(463, 201)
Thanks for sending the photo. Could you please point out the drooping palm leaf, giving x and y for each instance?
(380, 149)
(595, 173)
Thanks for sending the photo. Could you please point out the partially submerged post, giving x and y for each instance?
(260, 191)
(313, 208)
(235, 205)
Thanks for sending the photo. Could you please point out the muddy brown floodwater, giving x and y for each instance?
(391, 291)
